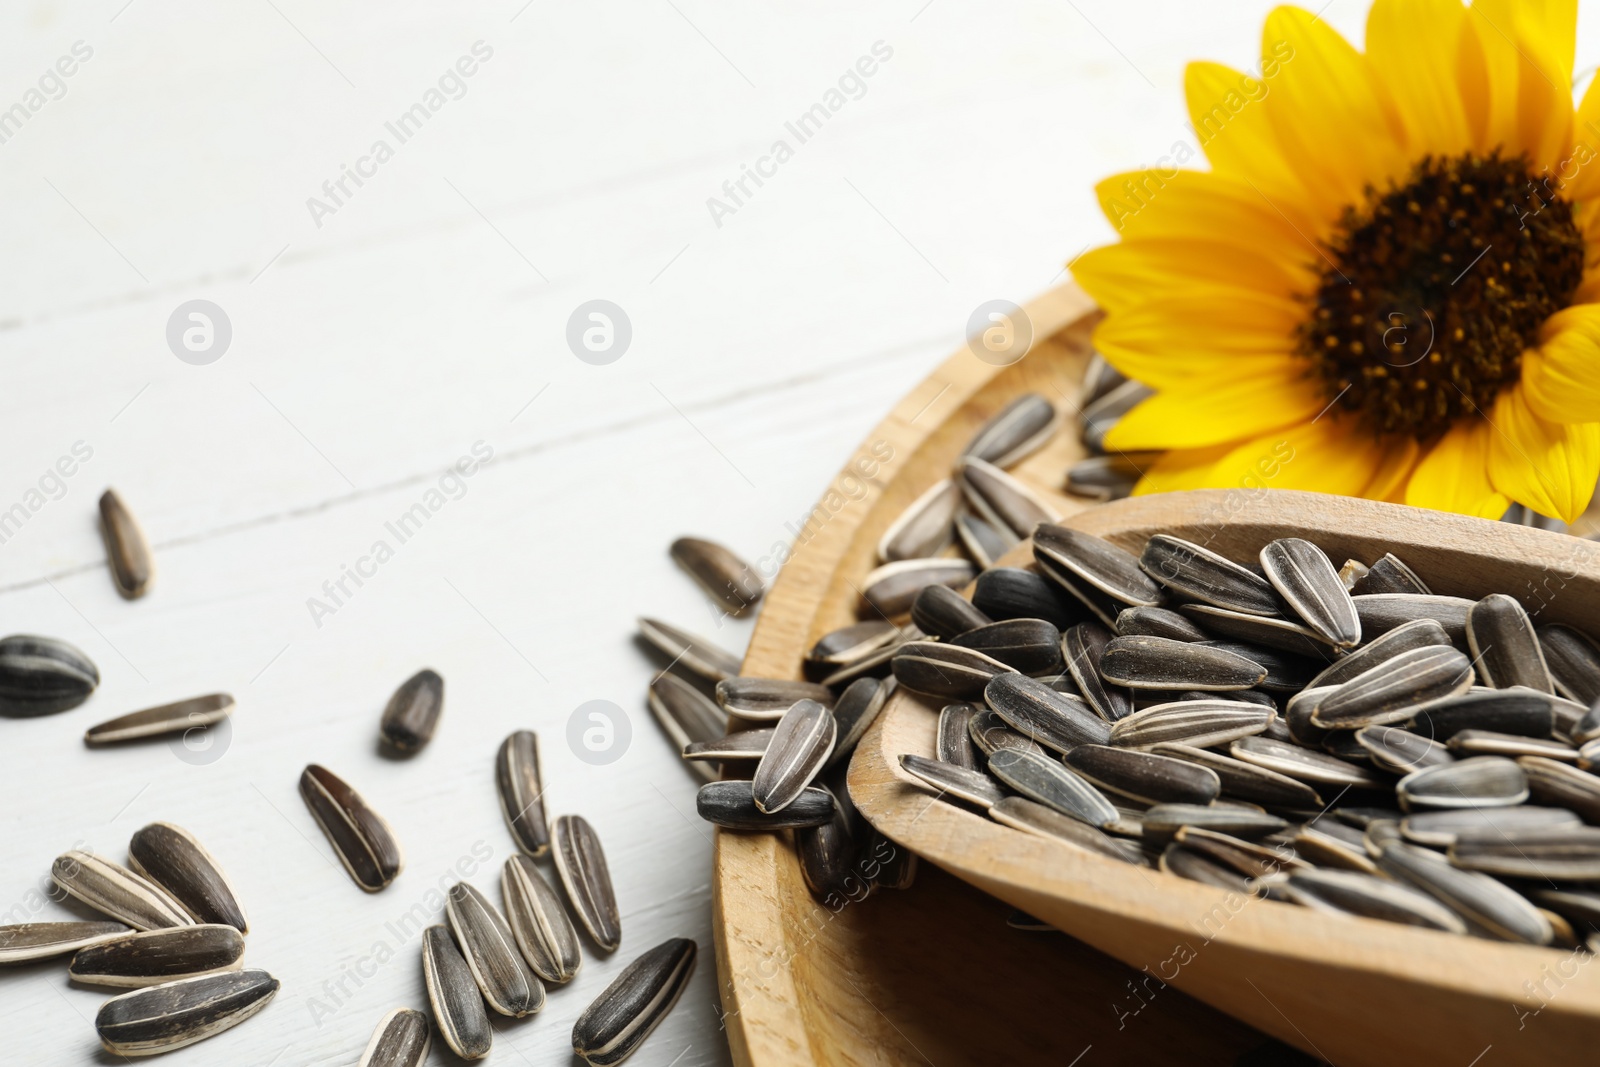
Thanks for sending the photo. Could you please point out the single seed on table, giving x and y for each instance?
(413, 712)
(1014, 593)
(1573, 661)
(1394, 749)
(1305, 764)
(766, 699)
(360, 837)
(173, 859)
(693, 652)
(1504, 646)
(686, 715)
(1304, 577)
(858, 708)
(1419, 633)
(1550, 782)
(402, 1039)
(453, 993)
(164, 1017)
(491, 952)
(841, 647)
(1353, 893)
(1439, 829)
(152, 957)
(953, 744)
(1493, 743)
(1001, 499)
(1162, 821)
(127, 550)
(801, 744)
(1200, 574)
(944, 670)
(1107, 567)
(940, 611)
(1157, 622)
(521, 788)
(1198, 723)
(1390, 575)
(175, 718)
(972, 786)
(1382, 612)
(990, 733)
(984, 541)
(1490, 908)
(41, 675)
(1267, 631)
(1479, 782)
(1014, 432)
(923, 529)
(743, 745)
(1100, 605)
(1395, 690)
(1032, 646)
(720, 572)
(1052, 784)
(617, 1022)
(889, 590)
(545, 935)
(114, 890)
(1525, 712)
(827, 854)
(1160, 663)
(1568, 854)
(1030, 816)
(1245, 781)
(1144, 776)
(1043, 715)
(26, 942)
(1082, 647)
(581, 865)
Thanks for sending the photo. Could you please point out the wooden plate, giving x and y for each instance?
(930, 974)
(1351, 991)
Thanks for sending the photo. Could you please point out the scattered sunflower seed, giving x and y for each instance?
(1479, 782)
(1382, 612)
(1439, 829)
(1504, 646)
(41, 675)
(1101, 415)
(113, 890)
(1558, 855)
(1353, 893)
(954, 744)
(1390, 575)
(1113, 571)
(1269, 631)
(173, 859)
(1000, 499)
(1401, 751)
(1197, 723)
(413, 712)
(1304, 764)
(1304, 577)
(521, 789)
(1395, 690)
(923, 529)
(170, 1016)
(827, 857)
(766, 699)
(26, 942)
(491, 952)
(940, 611)
(1573, 661)
(1246, 781)
(1550, 782)
(360, 837)
(856, 711)
(890, 590)
(1014, 432)
(720, 573)
(1020, 813)
(990, 733)
(1156, 622)
(1492, 743)
(1103, 478)
(1509, 711)
(1161, 663)
(1041, 778)
(972, 786)
(846, 645)
(1041, 714)
(179, 717)
(693, 652)
(1144, 776)
(983, 541)
(1032, 646)
(743, 745)
(1162, 821)
(453, 993)
(614, 1026)
(801, 744)
(401, 1039)
(1082, 647)
(581, 864)
(1198, 573)
(1418, 633)
(544, 933)
(686, 715)
(152, 957)
(1013, 593)
(944, 670)
(1488, 906)
(127, 550)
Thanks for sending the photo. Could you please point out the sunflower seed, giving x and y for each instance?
(891, 589)
(1245, 857)
(801, 744)
(897, 867)
(1000, 499)
(1099, 417)
(1269, 631)
(1041, 778)
(1353, 893)
(491, 952)
(846, 645)
(1143, 776)
(1099, 378)
(196, 713)
(1245, 781)
(413, 712)
(581, 865)
(362, 839)
(923, 529)
(544, 934)
(766, 699)
(1021, 920)
(827, 858)
(1525, 712)
(169, 1016)
(611, 1028)
(696, 654)
(720, 573)
(874, 664)
(26, 942)
(127, 551)
(1083, 646)
(1103, 478)
(1304, 577)
(1040, 713)
(1489, 907)
(1030, 816)
(1579, 906)
(521, 789)
(1285, 673)
(953, 744)
(1162, 821)
(1351, 572)
(1401, 751)
(1419, 633)
(1195, 866)
(1587, 728)
(686, 715)
(1297, 715)
(1559, 855)
(1156, 622)
(1014, 432)
(990, 733)
(1382, 612)
(940, 611)
(1395, 690)
(1491, 743)
(1200, 574)
(1198, 723)
(742, 745)
(1032, 646)
(972, 786)
(156, 956)
(1589, 755)
(402, 1039)
(1390, 575)
(453, 993)
(1479, 782)
(1160, 663)
(171, 858)
(114, 890)
(1439, 829)
(1317, 845)
(1304, 764)
(1100, 605)
(1504, 646)
(1112, 570)
(40, 675)
(1573, 661)
(942, 670)
(1550, 782)
(858, 708)
(984, 541)
(1013, 593)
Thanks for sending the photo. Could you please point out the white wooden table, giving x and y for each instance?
(379, 337)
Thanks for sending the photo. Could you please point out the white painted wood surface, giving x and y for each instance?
(427, 315)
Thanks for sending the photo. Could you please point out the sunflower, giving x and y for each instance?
(1387, 284)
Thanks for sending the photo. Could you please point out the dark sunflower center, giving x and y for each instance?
(1431, 292)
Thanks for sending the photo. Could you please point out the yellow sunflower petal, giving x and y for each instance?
(1121, 275)
(1579, 174)
(1527, 63)
(1329, 455)
(1180, 469)
(1199, 333)
(1454, 475)
(1551, 467)
(1561, 378)
(1389, 479)
(1218, 410)
(1170, 202)
(1412, 49)
(1233, 129)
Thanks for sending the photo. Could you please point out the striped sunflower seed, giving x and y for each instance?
(984, 541)
(720, 573)
(1103, 478)
(1578, 906)
(1297, 715)
(943, 670)
(41, 675)
(1390, 575)
(1043, 715)
(743, 745)
(827, 857)
(1587, 728)
(874, 664)
(686, 715)
(858, 708)
(1504, 646)
(1439, 829)
(1032, 817)
(413, 712)
(401, 1039)
(1401, 751)
(1157, 622)
(454, 996)
(1247, 858)
(152, 957)
(1099, 378)
(1572, 658)
(581, 865)
(1196, 866)
(1304, 764)
(953, 744)
(1304, 577)
(1489, 907)
(1112, 570)
(1395, 690)
(26, 942)
(923, 529)
(1245, 781)
(1493, 743)
(990, 733)
(1198, 723)
(616, 1024)
(1160, 663)
(173, 859)
(491, 952)
(113, 890)
(170, 1016)
(1032, 646)
(1419, 633)
(766, 699)
(940, 611)
(1001, 500)
(1559, 855)
(1101, 606)
(1353, 893)
(127, 550)
(890, 590)
(694, 653)
(545, 935)
(972, 786)
(1285, 673)
(521, 788)
(1550, 782)
(1479, 782)
(1014, 432)
(1382, 612)
(1267, 631)
(846, 645)
(1101, 416)
(1041, 778)
(1526, 712)
(360, 837)
(1162, 821)
(1327, 843)
(1144, 776)
(176, 718)
(801, 744)
(1198, 573)
(1082, 647)
(1013, 593)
